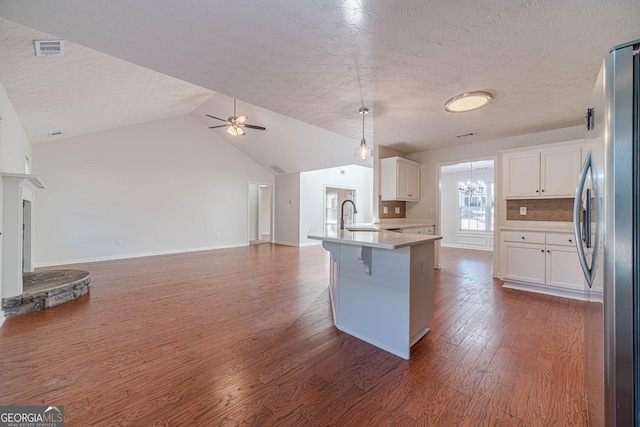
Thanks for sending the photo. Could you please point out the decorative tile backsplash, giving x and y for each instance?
(391, 209)
(541, 210)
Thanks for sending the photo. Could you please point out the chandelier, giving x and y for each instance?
(363, 151)
(471, 187)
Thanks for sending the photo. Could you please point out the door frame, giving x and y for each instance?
(496, 208)
(271, 209)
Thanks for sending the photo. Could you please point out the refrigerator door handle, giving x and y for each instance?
(582, 223)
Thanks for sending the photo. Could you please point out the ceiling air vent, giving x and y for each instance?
(277, 169)
(464, 135)
(49, 47)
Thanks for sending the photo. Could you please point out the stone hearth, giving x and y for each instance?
(45, 289)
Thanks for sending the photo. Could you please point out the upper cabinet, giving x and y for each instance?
(547, 172)
(400, 179)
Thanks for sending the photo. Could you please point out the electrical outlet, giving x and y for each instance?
(157, 240)
(385, 209)
(523, 210)
(397, 209)
(119, 243)
(433, 210)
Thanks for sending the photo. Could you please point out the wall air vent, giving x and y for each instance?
(277, 169)
(464, 135)
(49, 47)
(56, 133)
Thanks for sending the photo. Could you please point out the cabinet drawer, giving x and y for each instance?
(523, 237)
(561, 239)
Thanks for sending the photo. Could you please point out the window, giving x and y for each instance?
(476, 212)
(27, 165)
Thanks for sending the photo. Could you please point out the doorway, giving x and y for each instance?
(260, 213)
(467, 216)
(333, 199)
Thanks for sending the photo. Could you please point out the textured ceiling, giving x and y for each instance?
(317, 61)
(84, 91)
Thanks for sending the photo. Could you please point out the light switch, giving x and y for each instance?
(523, 210)
(397, 209)
(385, 209)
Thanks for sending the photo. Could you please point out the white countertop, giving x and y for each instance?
(375, 239)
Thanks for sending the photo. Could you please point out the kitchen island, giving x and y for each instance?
(381, 285)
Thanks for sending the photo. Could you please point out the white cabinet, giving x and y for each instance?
(399, 179)
(544, 172)
(542, 262)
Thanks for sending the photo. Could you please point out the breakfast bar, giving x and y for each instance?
(381, 285)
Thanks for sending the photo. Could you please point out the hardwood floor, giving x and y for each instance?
(244, 336)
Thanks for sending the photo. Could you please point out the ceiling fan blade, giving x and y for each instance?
(242, 119)
(240, 131)
(253, 126)
(221, 126)
(214, 117)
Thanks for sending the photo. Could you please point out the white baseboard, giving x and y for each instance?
(547, 290)
(137, 255)
(459, 246)
(282, 242)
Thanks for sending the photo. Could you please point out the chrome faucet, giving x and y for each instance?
(355, 211)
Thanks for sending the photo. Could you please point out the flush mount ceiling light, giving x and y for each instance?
(363, 151)
(467, 101)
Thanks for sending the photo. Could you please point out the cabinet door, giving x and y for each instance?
(414, 183)
(563, 268)
(559, 171)
(521, 175)
(404, 178)
(524, 262)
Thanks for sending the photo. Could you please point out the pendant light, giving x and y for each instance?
(471, 187)
(363, 151)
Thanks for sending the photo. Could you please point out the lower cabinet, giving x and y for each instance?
(429, 229)
(542, 262)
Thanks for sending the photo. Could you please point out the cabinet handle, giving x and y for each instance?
(548, 252)
(522, 237)
(543, 191)
(570, 241)
(537, 191)
(542, 250)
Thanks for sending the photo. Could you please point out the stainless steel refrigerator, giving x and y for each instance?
(607, 222)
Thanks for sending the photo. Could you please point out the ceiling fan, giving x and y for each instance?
(234, 123)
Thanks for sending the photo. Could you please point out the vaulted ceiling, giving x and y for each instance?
(303, 68)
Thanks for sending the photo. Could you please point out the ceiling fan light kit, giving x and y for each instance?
(235, 124)
(363, 151)
(467, 101)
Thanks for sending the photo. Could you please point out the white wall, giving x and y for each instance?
(14, 147)
(449, 220)
(287, 209)
(14, 142)
(312, 195)
(165, 186)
